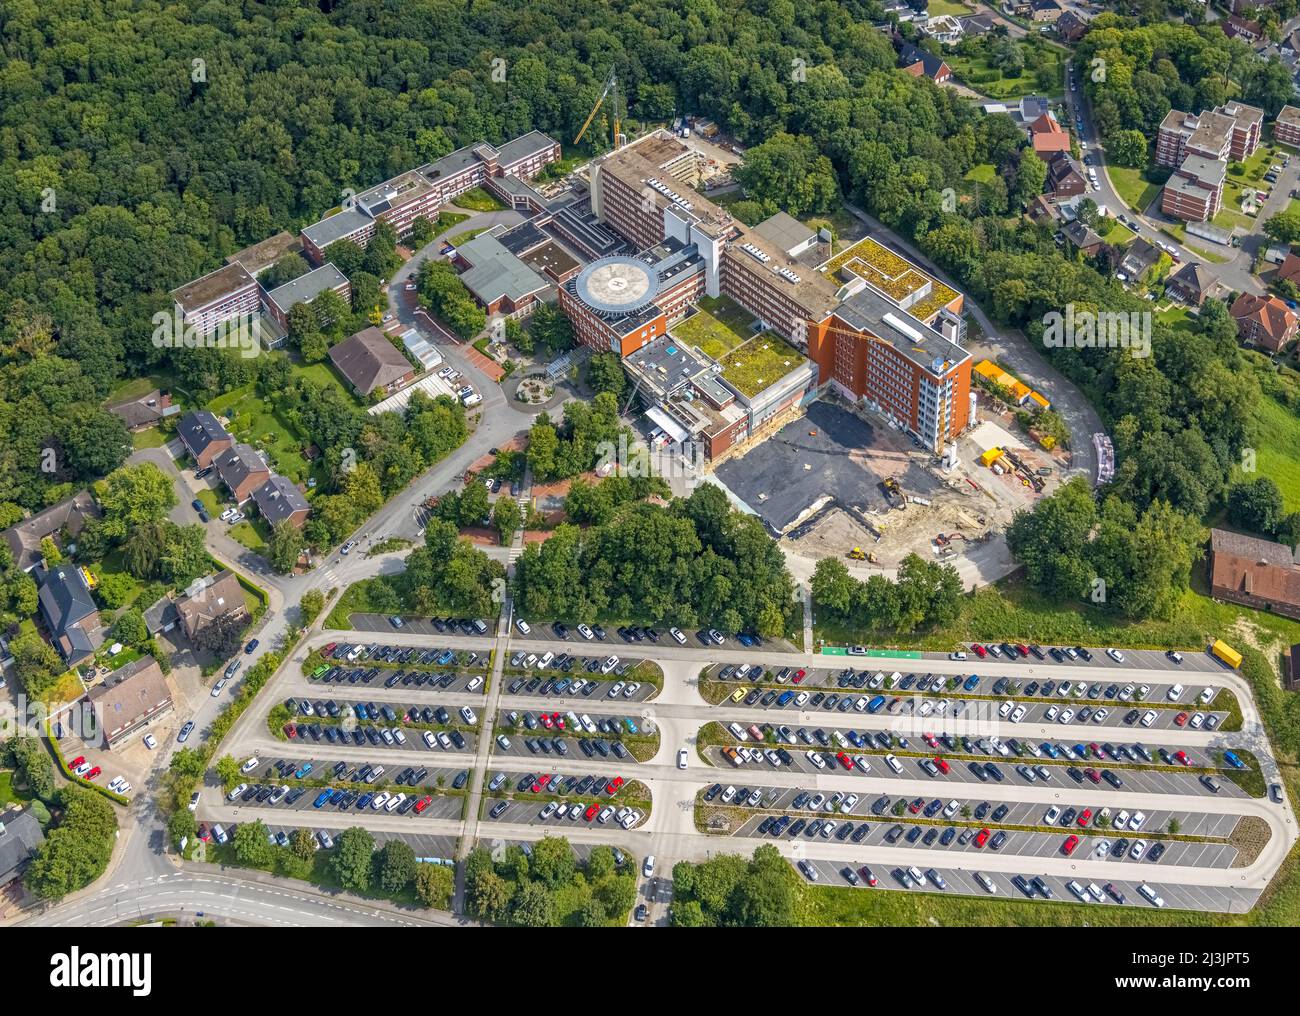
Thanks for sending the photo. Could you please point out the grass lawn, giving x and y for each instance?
(985, 172)
(760, 363)
(1118, 234)
(940, 7)
(1207, 255)
(112, 564)
(465, 237)
(1278, 457)
(713, 335)
(254, 422)
(980, 75)
(153, 437)
(252, 533)
(448, 220)
(1136, 190)
(8, 795)
(1176, 316)
(477, 200)
(842, 223)
(212, 501)
(323, 373)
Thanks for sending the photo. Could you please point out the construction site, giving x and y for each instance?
(840, 482)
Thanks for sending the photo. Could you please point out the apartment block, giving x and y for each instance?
(1195, 191)
(1286, 128)
(217, 297)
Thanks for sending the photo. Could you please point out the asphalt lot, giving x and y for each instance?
(1135, 781)
(447, 807)
(1019, 813)
(1019, 842)
(817, 455)
(963, 882)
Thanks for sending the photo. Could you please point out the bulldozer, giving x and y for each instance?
(858, 554)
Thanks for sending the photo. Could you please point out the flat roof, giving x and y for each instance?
(258, 257)
(760, 363)
(666, 364)
(336, 227)
(551, 257)
(400, 190)
(211, 287)
(305, 288)
(892, 274)
(784, 230)
(868, 311)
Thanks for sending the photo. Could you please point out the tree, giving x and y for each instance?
(77, 851)
(129, 628)
(352, 860)
(394, 866)
(50, 553)
(252, 848)
(786, 172)
(1255, 505)
(507, 516)
(1127, 148)
(227, 769)
(36, 665)
(553, 861)
(303, 844)
(1284, 227)
(134, 496)
(309, 608)
(605, 374)
(182, 825)
(434, 884)
(286, 545)
(33, 764)
(533, 906)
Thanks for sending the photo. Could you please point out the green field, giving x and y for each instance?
(477, 200)
(8, 795)
(252, 533)
(465, 237)
(323, 373)
(715, 334)
(941, 7)
(979, 74)
(1118, 234)
(985, 172)
(1278, 457)
(1136, 191)
(254, 422)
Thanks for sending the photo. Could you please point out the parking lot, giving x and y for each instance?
(593, 687)
(964, 882)
(563, 815)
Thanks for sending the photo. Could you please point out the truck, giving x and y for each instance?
(1223, 652)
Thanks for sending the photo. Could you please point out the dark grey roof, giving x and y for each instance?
(305, 288)
(236, 464)
(25, 538)
(19, 840)
(1194, 277)
(160, 615)
(495, 273)
(867, 310)
(912, 54)
(369, 361)
(199, 429)
(65, 602)
(336, 227)
(278, 498)
(1140, 256)
(522, 147)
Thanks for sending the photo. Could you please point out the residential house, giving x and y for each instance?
(1191, 284)
(219, 597)
(1073, 25)
(944, 29)
(1046, 12)
(60, 522)
(20, 836)
(1255, 573)
(203, 437)
(1083, 239)
(279, 500)
(1237, 27)
(1065, 177)
(1031, 107)
(145, 411)
(371, 363)
(1139, 258)
(161, 616)
(1264, 321)
(975, 25)
(130, 699)
(217, 297)
(918, 63)
(69, 612)
(242, 469)
(1048, 137)
(1289, 271)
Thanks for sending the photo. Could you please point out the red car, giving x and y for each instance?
(799, 675)
(1181, 757)
(205, 834)
(916, 806)
(980, 651)
(542, 780)
(931, 740)
(76, 761)
(422, 803)
(93, 773)
(981, 837)
(290, 730)
(868, 876)
(611, 788)
(559, 720)
(1095, 749)
(1092, 774)
(845, 761)
(590, 813)
(547, 722)
(1067, 848)
(1180, 719)
(1022, 649)
(329, 648)
(943, 766)
(1085, 817)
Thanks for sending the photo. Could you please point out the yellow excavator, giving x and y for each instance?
(858, 554)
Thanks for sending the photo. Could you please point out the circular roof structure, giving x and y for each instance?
(617, 285)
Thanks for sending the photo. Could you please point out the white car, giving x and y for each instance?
(1121, 820)
(523, 626)
(1135, 823)
(586, 632)
(1136, 851)
(1174, 693)
(218, 688)
(632, 688)
(1115, 655)
(430, 740)
(1066, 716)
(818, 761)
(959, 655)
(1018, 714)
(1051, 815)
(800, 699)
(237, 517)
(237, 791)
(474, 684)
(249, 765)
(617, 690)
(1100, 715)
(677, 635)
(1103, 849)
(381, 799)
(1148, 718)
(609, 665)
(681, 759)
(847, 804)
(227, 514)
(648, 866)
(1206, 695)
(1004, 710)
(150, 742)
(1051, 714)
(1197, 721)
(630, 819)
(467, 714)
(194, 801)
(892, 762)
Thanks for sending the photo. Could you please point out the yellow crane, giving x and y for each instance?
(611, 88)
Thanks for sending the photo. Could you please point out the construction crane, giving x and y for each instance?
(611, 88)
